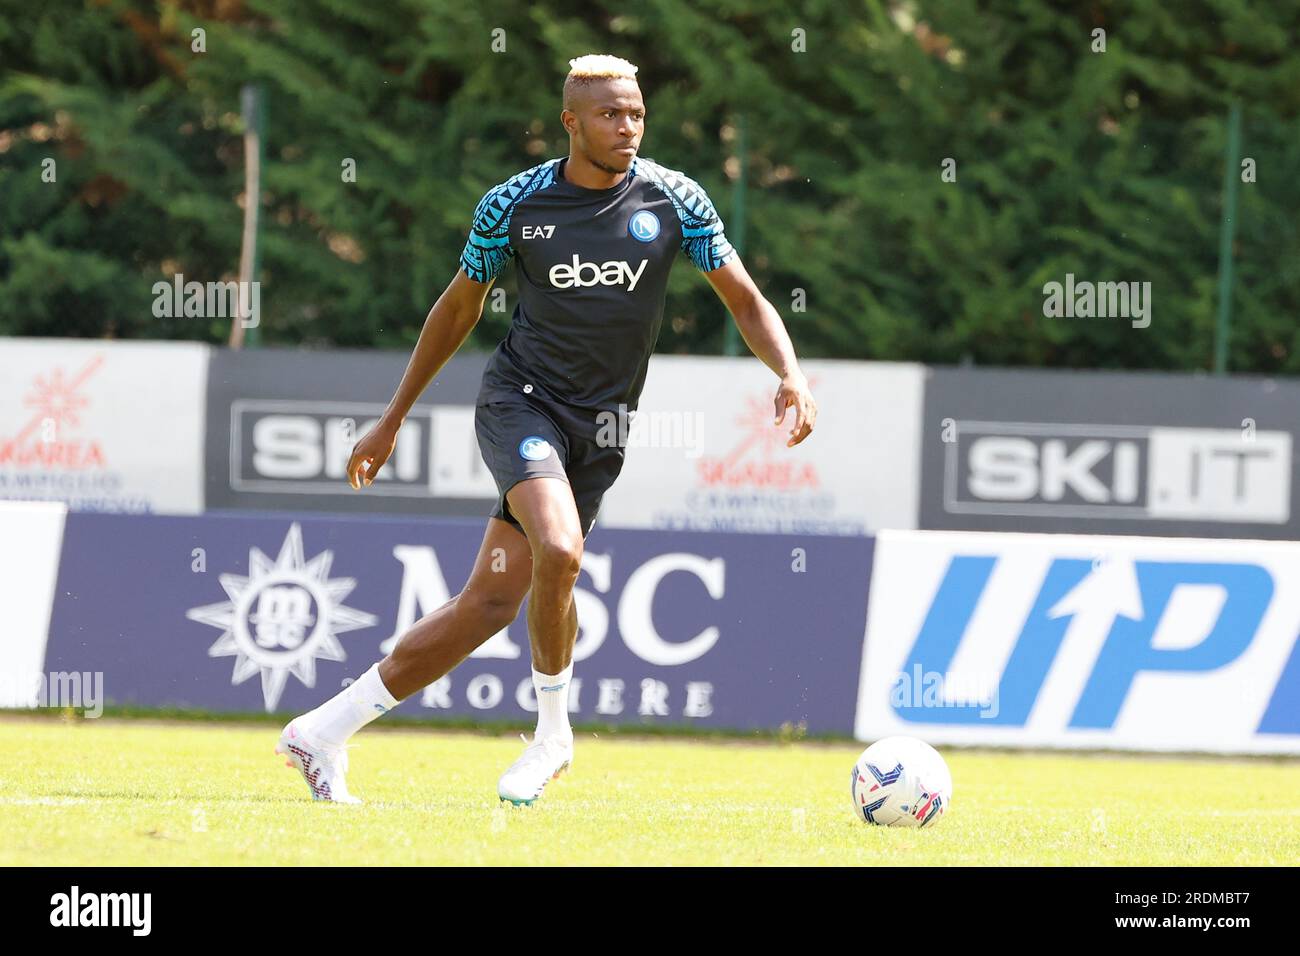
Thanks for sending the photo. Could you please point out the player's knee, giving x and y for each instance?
(493, 609)
(558, 555)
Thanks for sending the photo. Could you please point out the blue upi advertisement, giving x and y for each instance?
(275, 613)
(1083, 641)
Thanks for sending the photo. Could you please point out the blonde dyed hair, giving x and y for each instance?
(585, 70)
(600, 66)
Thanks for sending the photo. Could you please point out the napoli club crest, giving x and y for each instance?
(534, 448)
(644, 225)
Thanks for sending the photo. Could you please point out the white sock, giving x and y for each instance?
(553, 703)
(356, 705)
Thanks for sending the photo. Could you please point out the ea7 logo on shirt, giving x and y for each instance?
(538, 232)
(581, 274)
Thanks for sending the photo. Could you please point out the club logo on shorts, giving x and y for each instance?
(644, 225)
(534, 448)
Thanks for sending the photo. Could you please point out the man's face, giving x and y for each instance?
(606, 123)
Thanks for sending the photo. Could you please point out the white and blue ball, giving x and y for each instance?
(900, 782)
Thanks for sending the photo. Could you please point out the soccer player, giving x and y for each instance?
(593, 235)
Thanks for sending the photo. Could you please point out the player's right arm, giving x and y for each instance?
(448, 324)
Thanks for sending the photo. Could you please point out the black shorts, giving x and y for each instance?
(525, 436)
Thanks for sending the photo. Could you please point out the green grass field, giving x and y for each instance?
(128, 792)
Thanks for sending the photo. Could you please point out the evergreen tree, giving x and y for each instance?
(1064, 159)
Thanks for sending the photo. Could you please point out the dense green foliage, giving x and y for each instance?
(1108, 165)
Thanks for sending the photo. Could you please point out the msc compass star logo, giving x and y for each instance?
(282, 617)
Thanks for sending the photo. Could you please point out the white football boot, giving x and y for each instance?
(324, 768)
(542, 762)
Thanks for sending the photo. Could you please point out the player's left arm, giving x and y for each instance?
(763, 331)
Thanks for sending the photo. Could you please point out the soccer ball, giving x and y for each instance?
(900, 782)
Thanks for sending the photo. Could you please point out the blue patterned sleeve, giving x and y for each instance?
(488, 248)
(703, 238)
